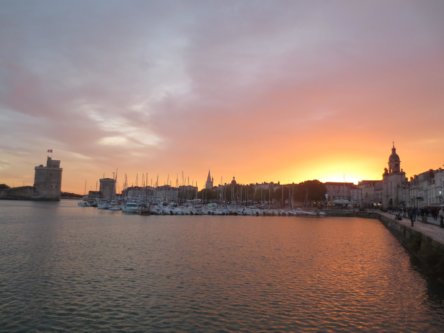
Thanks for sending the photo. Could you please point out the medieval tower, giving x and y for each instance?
(48, 180)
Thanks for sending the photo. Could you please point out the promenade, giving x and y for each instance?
(430, 229)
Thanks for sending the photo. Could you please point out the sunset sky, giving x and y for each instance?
(261, 90)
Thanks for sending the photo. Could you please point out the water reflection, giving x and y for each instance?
(68, 268)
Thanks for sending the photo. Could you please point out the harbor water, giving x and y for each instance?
(69, 269)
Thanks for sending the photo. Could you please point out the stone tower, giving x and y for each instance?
(107, 188)
(394, 162)
(209, 182)
(48, 181)
(394, 183)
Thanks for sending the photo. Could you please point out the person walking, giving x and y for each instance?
(424, 212)
(412, 215)
(441, 217)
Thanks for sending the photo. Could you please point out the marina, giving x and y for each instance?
(197, 208)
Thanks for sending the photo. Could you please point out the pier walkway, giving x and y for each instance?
(430, 229)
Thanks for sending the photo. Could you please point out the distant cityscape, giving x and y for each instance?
(393, 191)
(47, 184)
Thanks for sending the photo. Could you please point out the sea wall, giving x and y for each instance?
(351, 213)
(428, 251)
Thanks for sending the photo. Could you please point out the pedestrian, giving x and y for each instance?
(441, 217)
(412, 215)
(424, 213)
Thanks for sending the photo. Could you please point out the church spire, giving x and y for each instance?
(209, 175)
(209, 182)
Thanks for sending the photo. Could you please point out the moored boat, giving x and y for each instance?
(130, 208)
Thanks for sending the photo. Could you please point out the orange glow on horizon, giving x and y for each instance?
(330, 167)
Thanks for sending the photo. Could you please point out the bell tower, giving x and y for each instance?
(394, 162)
(394, 183)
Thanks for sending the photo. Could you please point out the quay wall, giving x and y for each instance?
(427, 250)
(351, 213)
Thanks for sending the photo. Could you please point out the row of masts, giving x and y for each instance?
(242, 195)
(146, 181)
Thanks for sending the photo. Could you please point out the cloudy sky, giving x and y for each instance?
(260, 90)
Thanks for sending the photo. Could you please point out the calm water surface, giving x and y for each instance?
(72, 269)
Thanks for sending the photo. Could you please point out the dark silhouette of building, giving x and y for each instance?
(48, 180)
(394, 183)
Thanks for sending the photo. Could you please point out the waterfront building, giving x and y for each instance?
(228, 192)
(187, 192)
(394, 183)
(48, 180)
(264, 192)
(220, 191)
(108, 188)
(370, 193)
(339, 193)
(355, 196)
(94, 195)
(166, 193)
(139, 194)
(426, 189)
(209, 184)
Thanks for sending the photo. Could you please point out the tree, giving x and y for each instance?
(207, 195)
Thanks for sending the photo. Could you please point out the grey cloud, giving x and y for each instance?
(189, 72)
